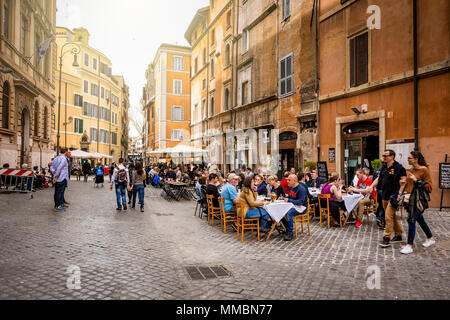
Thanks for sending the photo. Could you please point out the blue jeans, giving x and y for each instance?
(380, 210)
(139, 191)
(290, 219)
(258, 213)
(412, 228)
(60, 188)
(121, 195)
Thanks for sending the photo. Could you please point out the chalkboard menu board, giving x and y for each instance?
(322, 170)
(332, 155)
(444, 175)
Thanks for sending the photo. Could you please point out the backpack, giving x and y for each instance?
(122, 176)
(99, 172)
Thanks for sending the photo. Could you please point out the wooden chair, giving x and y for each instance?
(371, 208)
(212, 211)
(226, 217)
(312, 207)
(245, 224)
(302, 220)
(326, 210)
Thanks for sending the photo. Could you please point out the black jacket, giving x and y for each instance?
(418, 201)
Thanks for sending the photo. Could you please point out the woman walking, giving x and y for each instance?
(138, 186)
(419, 186)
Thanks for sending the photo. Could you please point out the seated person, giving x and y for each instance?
(261, 186)
(284, 182)
(297, 196)
(230, 194)
(362, 187)
(315, 181)
(252, 208)
(275, 187)
(212, 189)
(332, 188)
(301, 180)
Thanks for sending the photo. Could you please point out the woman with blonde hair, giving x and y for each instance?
(274, 187)
(252, 208)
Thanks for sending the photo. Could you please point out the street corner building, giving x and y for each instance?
(93, 114)
(27, 78)
(384, 86)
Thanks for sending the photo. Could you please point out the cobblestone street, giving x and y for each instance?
(133, 255)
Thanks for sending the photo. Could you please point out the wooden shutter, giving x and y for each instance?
(362, 59)
(352, 63)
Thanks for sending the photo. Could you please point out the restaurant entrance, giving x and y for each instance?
(361, 147)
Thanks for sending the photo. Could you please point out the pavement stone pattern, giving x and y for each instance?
(132, 255)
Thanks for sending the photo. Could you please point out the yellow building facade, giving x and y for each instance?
(171, 101)
(93, 114)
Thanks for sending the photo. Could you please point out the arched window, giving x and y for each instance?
(227, 99)
(5, 106)
(36, 119)
(46, 123)
(227, 55)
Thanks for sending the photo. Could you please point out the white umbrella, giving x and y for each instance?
(78, 154)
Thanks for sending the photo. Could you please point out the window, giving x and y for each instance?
(213, 36)
(229, 18)
(94, 134)
(95, 113)
(105, 69)
(114, 100)
(286, 9)
(195, 65)
(107, 95)
(204, 84)
(102, 92)
(178, 63)
(245, 40)
(86, 60)
(86, 86)
(177, 135)
(5, 105)
(177, 113)
(212, 68)
(77, 125)
(78, 100)
(204, 56)
(104, 136)
(114, 138)
(177, 86)
(211, 108)
(45, 123)
(359, 60)
(94, 89)
(286, 75)
(94, 63)
(24, 35)
(36, 119)
(227, 99)
(6, 19)
(212, 4)
(245, 93)
(227, 55)
(37, 42)
(204, 111)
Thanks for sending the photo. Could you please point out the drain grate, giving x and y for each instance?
(207, 272)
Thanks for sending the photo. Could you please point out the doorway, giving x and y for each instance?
(25, 139)
(361, 147)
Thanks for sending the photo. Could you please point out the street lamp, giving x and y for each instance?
(75, 64)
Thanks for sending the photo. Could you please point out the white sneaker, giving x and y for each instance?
(429, 243)
(406, 250)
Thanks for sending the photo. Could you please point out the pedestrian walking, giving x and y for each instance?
(60, 167)
(121, 181)
(78, 171)
(138, 186)
(130, 181)
(86, 170)
(99, 176)
(418, 189)
(389, 180)
(111, 170)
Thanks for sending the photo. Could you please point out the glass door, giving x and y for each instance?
(352, 159)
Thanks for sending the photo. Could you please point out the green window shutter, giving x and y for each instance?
(80, 126)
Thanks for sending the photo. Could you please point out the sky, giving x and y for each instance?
(130, 32)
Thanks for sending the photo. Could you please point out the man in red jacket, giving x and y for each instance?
(284, 182)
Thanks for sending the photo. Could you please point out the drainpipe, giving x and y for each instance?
(416, 79)
(316, 63)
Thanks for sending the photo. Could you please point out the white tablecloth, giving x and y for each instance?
(314, 192)
(352, 201)
(278, 210)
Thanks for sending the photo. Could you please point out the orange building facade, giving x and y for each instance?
(367, 83)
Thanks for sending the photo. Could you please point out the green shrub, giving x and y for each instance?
(376, 164)
(311, 164)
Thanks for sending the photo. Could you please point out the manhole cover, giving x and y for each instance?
(207, 272)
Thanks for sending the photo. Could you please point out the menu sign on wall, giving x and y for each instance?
(444, 175)
(332, 155)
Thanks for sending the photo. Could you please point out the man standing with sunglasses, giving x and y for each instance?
(392, 181)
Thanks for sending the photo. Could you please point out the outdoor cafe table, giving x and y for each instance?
(351, 203)
(277, 210)
(314, 192)
(180, 187)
